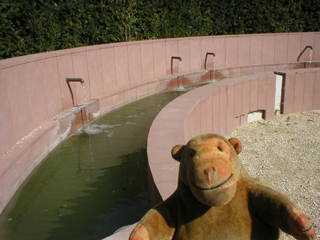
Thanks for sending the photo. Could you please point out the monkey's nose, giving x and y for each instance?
(209, 174)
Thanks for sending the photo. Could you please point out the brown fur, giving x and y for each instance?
(216, 199)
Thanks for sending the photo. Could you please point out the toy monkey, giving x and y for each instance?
(217, 199)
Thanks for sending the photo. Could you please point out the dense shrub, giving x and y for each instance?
(32, 26)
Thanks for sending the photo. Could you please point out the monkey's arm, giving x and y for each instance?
(157, 224)
(278, 210)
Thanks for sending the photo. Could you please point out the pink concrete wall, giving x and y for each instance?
(33, 88)
(39, 80)
(302, 90)
(227, 104)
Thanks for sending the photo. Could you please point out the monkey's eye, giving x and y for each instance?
(220, 149)
(192, 153)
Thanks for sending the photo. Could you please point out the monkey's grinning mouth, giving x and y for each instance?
(214, 187)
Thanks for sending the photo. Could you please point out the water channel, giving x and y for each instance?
(94, 183)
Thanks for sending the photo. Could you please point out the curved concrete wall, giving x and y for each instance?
(36, 109)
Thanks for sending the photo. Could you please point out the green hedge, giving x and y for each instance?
(32, 26)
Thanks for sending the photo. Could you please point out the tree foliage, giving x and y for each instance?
(32, 26)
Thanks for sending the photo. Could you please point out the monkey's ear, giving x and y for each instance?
(176, 152)
(236, 144)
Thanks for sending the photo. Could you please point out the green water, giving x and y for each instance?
(94, 183)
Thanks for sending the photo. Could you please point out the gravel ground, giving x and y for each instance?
(285, 152)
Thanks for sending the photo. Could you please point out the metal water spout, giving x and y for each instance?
(304, 51)
(174, 57)
(68, 80)
(205, 61)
